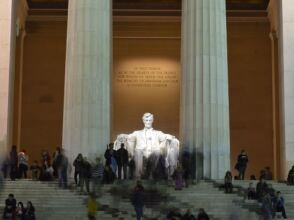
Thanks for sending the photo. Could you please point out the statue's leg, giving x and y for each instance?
(139, 162)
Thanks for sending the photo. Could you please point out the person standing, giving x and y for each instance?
(23, 160)
(62, 165)
(138, 200)
(97, 175)
(122, 157)
(242, 164)
(85, 175)
(228, 182)
(78, 163)
(13, 159)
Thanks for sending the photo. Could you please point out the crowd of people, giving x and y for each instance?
(119, 165)
(16, 210)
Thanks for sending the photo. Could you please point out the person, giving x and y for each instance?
(97, 175)
(146, 142)
(78, 166)
(54, 163)
(10, 207)
(13, 159)
(122, 159)
(261, 188)
(132, 167)
(279, 204)
(290, 178)
(178, 178)
(202, 215)
(242, 164)
(252, 177)
(266, 206)
(62, 165)
(19, 213)
(138, 200)
(46, 172)
(45, 157)
(85, 175)
(29, 213)
(5, 166)
(108, 175)
(35, 169)
(23, 160)
(268, 175)
(92, 207)
(174, 214)
(251, 192)
(186, 165)
(188, 215)
(228, 182)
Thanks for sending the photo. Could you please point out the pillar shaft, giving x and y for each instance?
(205, 100)
(86, 120)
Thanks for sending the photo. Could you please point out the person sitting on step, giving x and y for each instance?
(279, 204)
(29, 213)
(251, 192)
(290, 178)
(228, 182)
(10, 207)
(20, 211)
(202, 215)
(188, 215)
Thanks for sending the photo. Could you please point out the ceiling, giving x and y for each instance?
(151, 4)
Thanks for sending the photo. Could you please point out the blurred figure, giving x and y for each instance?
(242, 164)
(251, 192)
(20, 211)
(13, 161)
(290, 178)
(62, 165)
(46, 172)
(92, 207)
(188, 215)
(186, 165)
(85, 174)
(23, 160)
(36, 170)
(54, 164)
(174, 214)
(268, 175)
(132, 168)
(261, 188)
(29, 213)
(10, 207)
(279, 204)
(138, 200)
(5, 166)
(178, 178)
(266, 206)
(45, 157)
(78, 163)
(122, 159)
(228, 182)
(202, 215)
(97, 176)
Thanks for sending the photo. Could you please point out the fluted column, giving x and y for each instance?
(86, 120)
(205, 100)
(7, 45)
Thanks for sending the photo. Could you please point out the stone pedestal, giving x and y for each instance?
(205, 100)
(86, 121)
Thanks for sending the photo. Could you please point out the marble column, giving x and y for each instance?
(287, 78)
(205, 100)
(86, 119)
(7, 40)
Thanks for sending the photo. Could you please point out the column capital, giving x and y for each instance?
(273, 15)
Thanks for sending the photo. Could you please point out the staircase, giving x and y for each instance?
(52, 202)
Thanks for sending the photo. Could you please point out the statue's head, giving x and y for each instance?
(147, 120)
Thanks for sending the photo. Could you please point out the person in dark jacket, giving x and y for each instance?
(242, 164)
(122, 158)
(78, 163)
(19, 212)
(10, 207)
(109, 154)
(202, 215)
(138, 200)
(29, 213)
(13, 159)
(85, 175)
(279, 204)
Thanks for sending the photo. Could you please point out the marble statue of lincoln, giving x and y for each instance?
(150, 142)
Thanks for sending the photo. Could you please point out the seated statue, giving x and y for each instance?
(149, 144)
